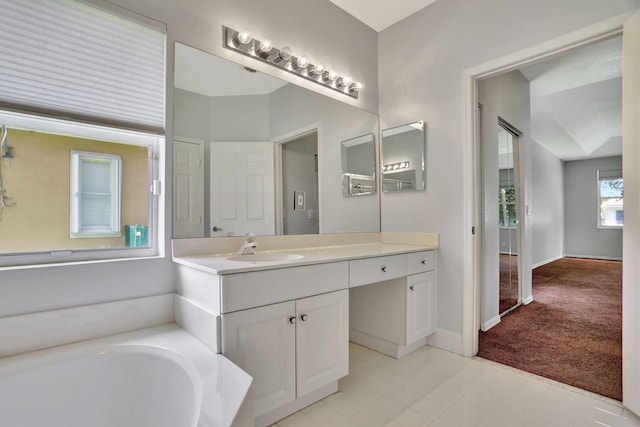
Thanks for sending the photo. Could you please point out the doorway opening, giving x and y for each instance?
(298, 176)
(548, 208)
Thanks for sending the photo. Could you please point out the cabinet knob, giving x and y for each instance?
(216, 228)
(292, 320)
(384, 269)
(303, 317)
(413, 288)
(424, 262)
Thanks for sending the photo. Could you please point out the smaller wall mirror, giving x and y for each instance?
(403, 158)
(358, 166)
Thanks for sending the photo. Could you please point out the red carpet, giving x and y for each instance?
(571, 332)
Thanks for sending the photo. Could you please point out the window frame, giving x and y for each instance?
(609, 175)
(155, 144)
(76, 228)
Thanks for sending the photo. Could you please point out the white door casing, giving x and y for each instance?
(242, 188)
(188, 188)
(631, 234)
(629, 26)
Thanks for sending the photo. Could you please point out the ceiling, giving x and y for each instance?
(576, 102)
(381, 14)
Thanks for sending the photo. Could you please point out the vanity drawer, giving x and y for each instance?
(420, 261)
(373, 270)
(240, 291)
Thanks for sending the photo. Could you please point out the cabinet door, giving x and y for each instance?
(261, 341)
(420, 306)
(322, 340)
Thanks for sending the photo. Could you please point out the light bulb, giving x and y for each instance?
(356, 86)
(265, 46)
(285, 53)
(319, 69)
(244, 37)
(302, 62)
(329, 76)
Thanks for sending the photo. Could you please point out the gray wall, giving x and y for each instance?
(421, 63)
(336, 122)
(547, 206)
(582, 237)
(507, 97)
(359, 159)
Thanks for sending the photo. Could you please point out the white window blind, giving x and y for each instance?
(63, 56)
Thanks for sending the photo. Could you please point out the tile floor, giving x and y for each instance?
(435, 388)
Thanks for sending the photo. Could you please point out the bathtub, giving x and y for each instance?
(158, 377)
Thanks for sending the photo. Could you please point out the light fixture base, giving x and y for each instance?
(282, 59)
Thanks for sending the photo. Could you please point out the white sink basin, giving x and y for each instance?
(265, 257)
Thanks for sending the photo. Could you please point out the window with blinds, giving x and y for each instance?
(82, 122)
(64, 57)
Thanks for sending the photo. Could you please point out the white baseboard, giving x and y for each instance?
(446, 340)
(608, 258)
(527, 300)
(546, 261)
(485, 326)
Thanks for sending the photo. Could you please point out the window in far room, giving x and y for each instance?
(610, 198)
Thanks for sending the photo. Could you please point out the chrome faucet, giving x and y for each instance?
(248, 245)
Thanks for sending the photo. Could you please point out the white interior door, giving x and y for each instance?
(631, 235)
(242, 188)
(188, 188)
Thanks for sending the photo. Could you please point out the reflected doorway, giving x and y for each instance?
(300, 195)
(509, 226)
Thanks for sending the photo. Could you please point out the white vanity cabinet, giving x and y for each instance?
(394, 316)
(420, 302)
(291, 349)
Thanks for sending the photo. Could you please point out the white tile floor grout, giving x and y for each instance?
(435, 388)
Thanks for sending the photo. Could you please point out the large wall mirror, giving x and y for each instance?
(358, 166)
(253, 153)
(403, 157)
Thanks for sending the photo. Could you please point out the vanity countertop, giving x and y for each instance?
(220, 264)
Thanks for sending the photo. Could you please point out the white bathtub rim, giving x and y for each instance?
(211, 368)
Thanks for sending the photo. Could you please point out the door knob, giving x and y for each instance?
(303, 317)
(292, 320)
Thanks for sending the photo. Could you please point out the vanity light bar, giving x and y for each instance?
(262, 50)
(395, 166)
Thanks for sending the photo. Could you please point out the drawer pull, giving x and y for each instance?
(424, 262)
(413, 288)
(292, 320)
(303, 317)
(384, 269)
